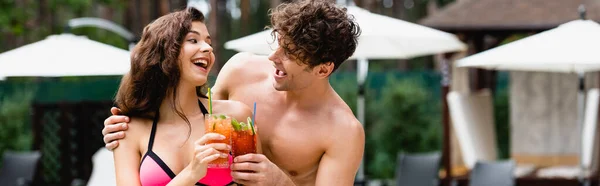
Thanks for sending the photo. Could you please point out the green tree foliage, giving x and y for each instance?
(502, 115)
(402, 115)
(12, 18)
(22, 20)
(345, 85)
(15, 128)
(404, 123)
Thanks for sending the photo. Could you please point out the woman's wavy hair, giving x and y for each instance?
(154, 72)
(315, 32)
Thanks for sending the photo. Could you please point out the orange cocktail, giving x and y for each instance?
(220, 124)
(244, 138)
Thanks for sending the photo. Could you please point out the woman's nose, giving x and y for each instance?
(206, 48)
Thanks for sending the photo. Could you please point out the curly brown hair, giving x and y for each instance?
(315, 32)
(154, 72)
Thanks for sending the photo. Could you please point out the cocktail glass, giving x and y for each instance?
(221, 124)
(244, 138)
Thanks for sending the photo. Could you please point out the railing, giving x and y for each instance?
(67, 135)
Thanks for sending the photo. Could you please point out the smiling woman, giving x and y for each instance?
(161, 93)
(196, 55)
(157, 58)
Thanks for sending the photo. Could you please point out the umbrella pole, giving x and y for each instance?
(361, 76)
(580, 116)
(445, 85)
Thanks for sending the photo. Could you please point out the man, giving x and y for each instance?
(309, 135)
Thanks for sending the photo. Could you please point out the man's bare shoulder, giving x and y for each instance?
(234, 109)
(242, 58)
(247, 65)
(345, 122)
(345, 118)
(242, 70)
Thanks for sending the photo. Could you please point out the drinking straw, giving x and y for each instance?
(253, 118)
(209, 101)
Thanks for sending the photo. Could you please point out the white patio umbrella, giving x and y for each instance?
(569, 48)
(64, 55)
(381, 37)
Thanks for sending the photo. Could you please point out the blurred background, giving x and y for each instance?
(61, 115)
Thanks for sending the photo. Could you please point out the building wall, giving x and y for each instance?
(543, 114)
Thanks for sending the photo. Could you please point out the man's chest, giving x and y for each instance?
(292, 139)
(295, 149)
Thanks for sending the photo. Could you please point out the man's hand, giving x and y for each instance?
(256, 169)
(114, 127)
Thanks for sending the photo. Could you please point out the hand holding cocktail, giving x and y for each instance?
(220, 124)
(205, 153)
(249, 166)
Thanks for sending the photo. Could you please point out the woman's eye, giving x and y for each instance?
(193, 40)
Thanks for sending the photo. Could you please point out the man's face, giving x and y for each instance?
(289, 73)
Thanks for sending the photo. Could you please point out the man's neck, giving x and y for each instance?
(187, 103)
(309, 96)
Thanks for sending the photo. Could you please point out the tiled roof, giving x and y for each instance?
(471, 15)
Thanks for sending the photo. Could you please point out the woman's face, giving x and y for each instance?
(196, 57)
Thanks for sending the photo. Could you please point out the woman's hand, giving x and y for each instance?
(205, 153)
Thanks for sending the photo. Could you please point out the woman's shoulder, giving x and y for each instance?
(138, 126)
(138, 130)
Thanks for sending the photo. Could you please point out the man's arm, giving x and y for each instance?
(229, 76)
(342, 158)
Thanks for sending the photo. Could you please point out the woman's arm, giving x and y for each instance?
(185, 177)
(127, 157)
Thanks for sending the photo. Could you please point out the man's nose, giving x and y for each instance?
(273, 56)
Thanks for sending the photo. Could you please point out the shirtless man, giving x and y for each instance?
(309, 135)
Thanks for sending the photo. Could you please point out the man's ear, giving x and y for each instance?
(324, 70)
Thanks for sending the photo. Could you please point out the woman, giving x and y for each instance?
(166, 143)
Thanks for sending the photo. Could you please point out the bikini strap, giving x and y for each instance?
(154, 123)
(204, 111)
(153, 132)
